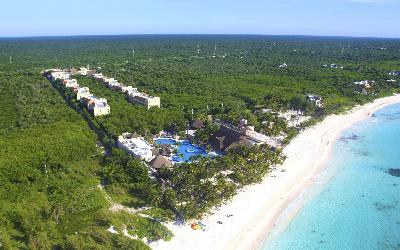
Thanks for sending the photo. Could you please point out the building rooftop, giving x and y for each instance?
(136, 146)
(160, 162)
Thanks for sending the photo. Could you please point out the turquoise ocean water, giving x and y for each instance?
(355, 203)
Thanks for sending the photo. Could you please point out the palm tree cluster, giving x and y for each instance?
(205, 183)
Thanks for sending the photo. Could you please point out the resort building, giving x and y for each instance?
(98, 107)
(71, 83)
(80, 71)
(251, 134)
(97, 76)
(294, 118)
(60, 75)
(112, 83)
(364, 86)
(115, 85)
(315, 99)
(72, 71)
(107, 79)
(87, 99)
(82, 93)
(366, 83)
(143, 99)
(126, 89)
(48, 72)
(132, 94)
(136, 146)
(227, 137)
(83, 71)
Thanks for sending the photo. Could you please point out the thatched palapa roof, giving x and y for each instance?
(160, 162)
(226, 138)
(197, 124)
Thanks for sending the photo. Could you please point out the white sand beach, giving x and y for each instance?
(256, 208)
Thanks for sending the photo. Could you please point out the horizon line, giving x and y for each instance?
(193, 34)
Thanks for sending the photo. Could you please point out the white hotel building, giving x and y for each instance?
(143, 99)
(136, 146)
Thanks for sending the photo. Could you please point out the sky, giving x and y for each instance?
(360, 18)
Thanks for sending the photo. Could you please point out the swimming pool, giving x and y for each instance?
(186, 150)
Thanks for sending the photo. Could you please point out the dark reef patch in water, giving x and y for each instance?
(394, 172)
(351, 137)
(392, 118)
(388, 245)
(362, 153)
(385, 207)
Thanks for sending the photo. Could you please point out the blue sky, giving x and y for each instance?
(372, 18)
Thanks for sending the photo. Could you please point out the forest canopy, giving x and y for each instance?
(51, 159)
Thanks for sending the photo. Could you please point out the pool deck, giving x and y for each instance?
(185, 147)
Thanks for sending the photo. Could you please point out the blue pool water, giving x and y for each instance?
(357, 203)
(165, 141)
(186, 150)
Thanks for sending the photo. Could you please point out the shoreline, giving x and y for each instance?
(256, 208)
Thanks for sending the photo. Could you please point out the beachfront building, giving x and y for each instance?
(315, 99)
(294, 117)
(82, 92)
(366, 83)
(394, 73)
(253, 136)
(259, 138)
(98, 107)
(364, 86)
(144, 99)
(228, 137)
(136, 146)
